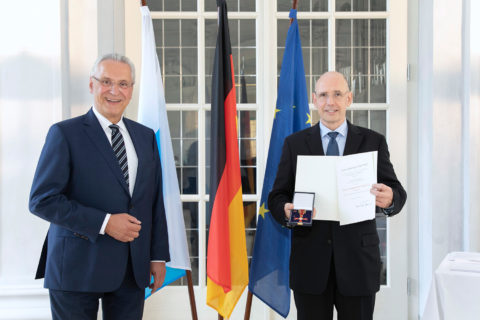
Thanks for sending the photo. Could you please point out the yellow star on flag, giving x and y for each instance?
(263, 210)
(309, 119)
(276, 110)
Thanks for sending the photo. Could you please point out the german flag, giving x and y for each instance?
(227, 265)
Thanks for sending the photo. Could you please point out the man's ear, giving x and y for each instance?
(90, 85)
(349, 98)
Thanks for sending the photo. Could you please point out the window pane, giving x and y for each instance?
(189, 89)
(247, 5)
(284, 5)
(359, 88)
(189, 62)
(171, 5)
(190, 151)
(172, 61)
(378, 33)
(360, 5)
(190, 215)
(320, 33)
(304, 30)
(248, 123)
(189, 33)
(172, 89)
(319, 5)
(303, 5)
(378, 5)
(176, 145)
(189, 124)
(360, 32)
(174, 123)
(360, 118)
(360, 61)
(188, 5)
(247, 33)
(378, 121)
(319, 62)
(172, 30)
(158, 31)
(155, 5)
(343, 32)
(189, 180)
(250, 214)
(343, 5)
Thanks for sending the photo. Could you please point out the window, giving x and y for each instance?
(350, 37)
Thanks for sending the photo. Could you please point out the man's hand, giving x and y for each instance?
(123, 227)
(288, 209)
(383, 195)
(157, 270)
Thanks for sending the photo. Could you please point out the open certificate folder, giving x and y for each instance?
(341, 184)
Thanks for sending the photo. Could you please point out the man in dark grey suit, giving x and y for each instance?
(99, 184)
(333, 265)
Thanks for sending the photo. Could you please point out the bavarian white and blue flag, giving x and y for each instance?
(152, 112)
(269, 274)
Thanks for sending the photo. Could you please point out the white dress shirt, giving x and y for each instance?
(132, 158)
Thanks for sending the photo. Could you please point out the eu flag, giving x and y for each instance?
(269, 275)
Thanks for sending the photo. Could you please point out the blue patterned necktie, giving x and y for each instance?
(332, 148)
(119, 149)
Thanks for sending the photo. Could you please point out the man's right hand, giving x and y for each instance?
(123, 227)
(288, 209)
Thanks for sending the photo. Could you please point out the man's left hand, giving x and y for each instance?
(157, 270)
(383, 195)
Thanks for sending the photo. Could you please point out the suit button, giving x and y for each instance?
(130, 207)
(329, 241)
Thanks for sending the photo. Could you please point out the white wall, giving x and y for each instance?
(30, 100)
(445, 130)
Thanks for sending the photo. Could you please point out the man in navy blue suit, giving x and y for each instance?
(99, 184)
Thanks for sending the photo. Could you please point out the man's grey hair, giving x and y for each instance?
(114, 57)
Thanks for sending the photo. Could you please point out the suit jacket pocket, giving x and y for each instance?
(370, 240)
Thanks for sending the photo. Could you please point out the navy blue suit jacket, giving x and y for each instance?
(77, 182)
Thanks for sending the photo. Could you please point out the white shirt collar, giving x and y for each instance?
(105, 123)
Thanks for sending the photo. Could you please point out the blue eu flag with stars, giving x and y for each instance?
(269, 275)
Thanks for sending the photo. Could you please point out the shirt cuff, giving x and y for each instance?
(388, 211)
(157, 261)
(104, 225)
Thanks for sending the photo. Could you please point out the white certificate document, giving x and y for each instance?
(341, 184)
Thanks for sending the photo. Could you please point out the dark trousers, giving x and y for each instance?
(320, 306)
(125, 303)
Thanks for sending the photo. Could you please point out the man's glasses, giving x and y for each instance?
(107, 83)
(335, 95)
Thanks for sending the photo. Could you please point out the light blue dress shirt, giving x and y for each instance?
(341, 137)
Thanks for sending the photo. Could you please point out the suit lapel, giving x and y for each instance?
(94, 131)
(354, 139)
(314, 141)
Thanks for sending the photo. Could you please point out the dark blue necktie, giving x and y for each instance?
(332, 148)
(119, 149)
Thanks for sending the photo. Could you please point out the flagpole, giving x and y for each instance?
(191, 294)
(248, 307)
